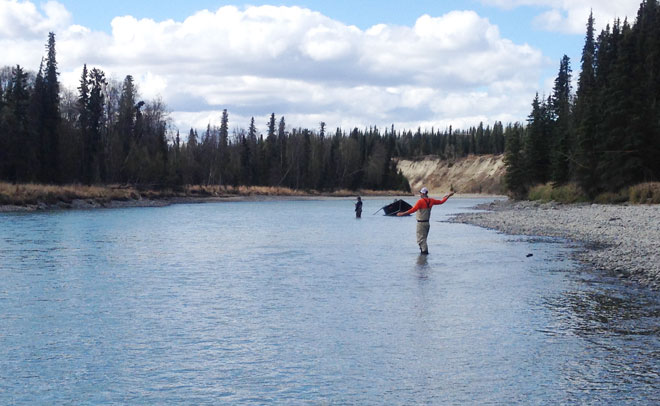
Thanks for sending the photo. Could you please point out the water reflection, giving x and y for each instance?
(618, 330)
(606, 311)
(422, 261)
(422, 267)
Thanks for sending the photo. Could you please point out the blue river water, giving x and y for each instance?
(298, 302)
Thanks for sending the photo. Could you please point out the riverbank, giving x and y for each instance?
(36, 197)
(622, 240)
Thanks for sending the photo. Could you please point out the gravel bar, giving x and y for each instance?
(621, 239)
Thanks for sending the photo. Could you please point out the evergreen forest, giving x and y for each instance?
(603, 137)
(606, 136)
(104, 133)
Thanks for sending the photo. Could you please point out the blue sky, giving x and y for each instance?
(347, 63)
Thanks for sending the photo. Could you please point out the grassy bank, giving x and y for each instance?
(26, 194)
(36, 194)
(644, 193)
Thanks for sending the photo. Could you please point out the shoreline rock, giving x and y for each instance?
(623, 240)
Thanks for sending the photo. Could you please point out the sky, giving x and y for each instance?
(413, 63)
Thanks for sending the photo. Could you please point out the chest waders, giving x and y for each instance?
(423, 226)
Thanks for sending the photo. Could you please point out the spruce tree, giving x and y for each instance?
(514, 159)
(498, 138)
(83, 124)
(647, 76)
(21, 164)
(587, 153)
(607, 44)
(536, 144)
(127, 115)
(223, 146)
(3, 132)
(282, 149)
(562, 129)
(95, 144)
(192, 157)
(244, 154)
(36, 142)
(272, 152)
(50, 156)
(252, 161)
(192, 138)
(621, 164)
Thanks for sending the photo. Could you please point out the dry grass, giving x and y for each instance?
(612, 198)
(222, 191)
(645, 193)
(225, 191)
(569, 193)
(267, 191)
(32, 194)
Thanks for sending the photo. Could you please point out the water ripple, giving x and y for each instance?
(235, 303)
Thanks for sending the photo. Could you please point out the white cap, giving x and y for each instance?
(424, 191)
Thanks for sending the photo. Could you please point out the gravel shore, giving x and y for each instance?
(620, 239)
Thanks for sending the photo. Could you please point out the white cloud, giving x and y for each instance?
(454, 31)
(326, 44)
(21, 19)
(570, 16)
(451, 69)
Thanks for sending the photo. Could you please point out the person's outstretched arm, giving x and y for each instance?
(413, 209)
(444, 199)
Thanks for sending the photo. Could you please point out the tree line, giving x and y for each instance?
(104, 133)
(606, 136)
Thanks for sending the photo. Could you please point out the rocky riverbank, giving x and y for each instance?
(623, 240)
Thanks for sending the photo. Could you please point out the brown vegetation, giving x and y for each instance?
(29, 193)
(643, 193)
(49, 195)
(569, 193)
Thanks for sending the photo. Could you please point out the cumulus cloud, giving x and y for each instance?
(454, 69)
(24, 29)
(20, 19)
(570, 16)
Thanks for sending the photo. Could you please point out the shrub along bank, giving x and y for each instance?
(643, 193)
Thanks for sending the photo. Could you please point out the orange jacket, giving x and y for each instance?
(426, 203)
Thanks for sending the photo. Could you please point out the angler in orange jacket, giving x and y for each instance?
(423, 209)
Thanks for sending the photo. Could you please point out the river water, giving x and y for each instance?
(298, 302)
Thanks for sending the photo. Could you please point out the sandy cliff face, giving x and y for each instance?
(473, 174)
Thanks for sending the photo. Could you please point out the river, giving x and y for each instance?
(298, 302)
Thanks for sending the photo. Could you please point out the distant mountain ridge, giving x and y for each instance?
(481, 174)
